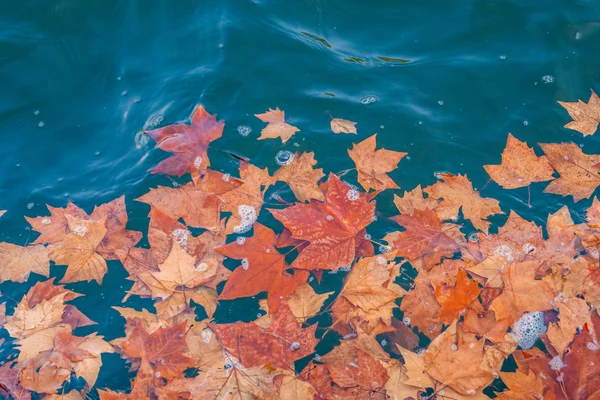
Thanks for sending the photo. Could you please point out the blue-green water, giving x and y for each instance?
(79, 79)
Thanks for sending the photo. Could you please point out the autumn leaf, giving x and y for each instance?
(369, 375)
(457, 364)
(305, 303)
(277, 127)
(189, 143)
(414, 200)
(456, 192)
(280, 345)
(521, 386)
(263, 269)
(373, 165)
(578, 171)
(339, 125)
(245, 201)
(422, 310)
(522, 292)
(456, 299)
(573, 313)
(423, 240)
(18, 262)
(331, 227)
(302, 177)
(585, 116)
(163, 349)
(54, 228)
(581, 378)
(195, 206)
(79, 250)
(520, 166)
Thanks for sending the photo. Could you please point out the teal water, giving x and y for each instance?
(78, 80)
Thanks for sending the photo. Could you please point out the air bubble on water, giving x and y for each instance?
(245, 264)
(547, 79)
(503, 57)
(384, 342)
(527, 329)
(36, 112)
(201, 267)
(296, 144)
(198, 162)
(244, 130)
(97, 153)
(441, 102)
(454, 347)
(206, 335)
(41, 124)
(80, 230)
(529, 248)
(46, 221)
(526, 123)
(473, 238)
(294, 346)
(141, 139)
(228, 365)
(226, 177)
(367, 236)
(329, 217)
(384, 249)
(406, 321)
(368, 100)
(382, 126)
(247, 218)
(421, 352)
(353, 194)
(284, 157)
(240, 240)
(350, 335)
(556, 363)
(504, 251)
(317, 357)
(181, 237)
(30, 206)
(124, 93)
(137, 99)
(578, 35)
(407, 158)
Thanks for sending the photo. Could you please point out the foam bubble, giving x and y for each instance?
(247, 218)
(245, 264)
(201, 267)
(556, 363)
(329, 218)
(547, 79)
(592, 346)
(244, 130)
(294, 346)
(381, 260)
(384, 342)
(284, 157)
(80, 230)
(240, 240)
(226, 177)
(198, 162)
(206, 335)
(473, 237)
(30, 206)
(527, 329)
(353, 194)
(384, 249)
(406, 321)
(181, 237)
(504, 251)
(529, 248)
(368, 100)
(46, 221)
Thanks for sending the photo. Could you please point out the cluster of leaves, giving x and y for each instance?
(448, 327)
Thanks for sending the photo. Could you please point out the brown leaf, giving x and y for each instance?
(578, 172)
(373, 165)
(414, 200)
(456, 192)
(54, 228)
(520, 166)
(305, 303)
(302, 177)
(456, 299)
(339, 125)
(17, 262)
(277, 127)
(585, 116)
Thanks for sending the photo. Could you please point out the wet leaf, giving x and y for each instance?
(339, 125)
(373, 165)
(302, 177)
(585, 116)
(277, 127)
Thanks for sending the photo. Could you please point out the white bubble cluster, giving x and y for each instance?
(381, 260)
(527, 329)
(294, 346)
(284, 157)
(473, 238)
(368, 100)
(406, 321)
(329, 218)
(181, 237)
(556, 363)
(244, 130)
(454, 347)
(198, 162)
(385, 249)
(247, 218)
(201, 267)
(529, 248)
(353, 194)
(245, 264)
(226, 177)
(240, 240)
(350, 335)
(504, 251)
(547, 79)
(80, 230)
(206, 335)
(592, 346)
(384, 342)
(46, 221)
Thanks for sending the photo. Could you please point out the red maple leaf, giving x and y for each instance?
(189, 143)
(333, 228)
